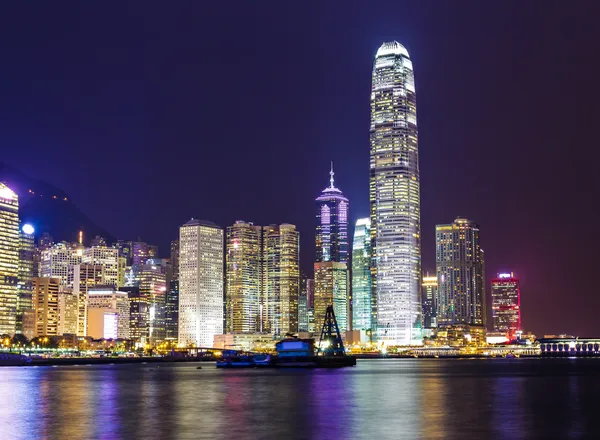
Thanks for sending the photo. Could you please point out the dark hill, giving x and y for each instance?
(48, 208)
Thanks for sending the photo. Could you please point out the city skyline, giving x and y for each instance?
(478, 151)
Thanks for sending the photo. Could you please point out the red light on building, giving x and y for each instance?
(506, 304)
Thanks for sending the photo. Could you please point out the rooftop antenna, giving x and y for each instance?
(331, 173)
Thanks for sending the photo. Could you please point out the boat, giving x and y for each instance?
(261, 360)
(14, 360)
(232, 359)
(293, 352)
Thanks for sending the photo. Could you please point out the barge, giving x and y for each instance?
(293, 352)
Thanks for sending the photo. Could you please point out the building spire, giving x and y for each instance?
(331, 173)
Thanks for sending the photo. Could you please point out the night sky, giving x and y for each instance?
(150, 113)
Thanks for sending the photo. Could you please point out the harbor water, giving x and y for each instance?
(377, 399)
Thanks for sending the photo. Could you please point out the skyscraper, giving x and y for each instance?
(151, 280)
(331, 237)
(26, 256)
(331, 259)
(395, 197)
(200, 283)
(460, 274)
(9, 259)
(331, 288)
(282, 278)
(57, 261)
(305, 283)
(172, 300)
(106, 257)
(506, 304)
(362, 300)
(45, 303)
(243, 286)
(429, 295)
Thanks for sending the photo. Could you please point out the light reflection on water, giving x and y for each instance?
(378, 399)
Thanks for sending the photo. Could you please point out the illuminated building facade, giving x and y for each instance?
(394, 194)
(108, 314)
(243, 285)
(460, 274)
(200, 283)
(151, 279)
(106, 257)
(331, 238)
(172, 299)
(303, 304)
(506, 304)
(331, 288)
(45, 304)
(68, 312)
(362, 300)
(26, 268)
(57, 261)
(429, 295)
(139, 315)
(281, 278)
(9, 259)
(85, 276)
(140, 252)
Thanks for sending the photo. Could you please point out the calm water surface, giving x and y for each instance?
(378, 399)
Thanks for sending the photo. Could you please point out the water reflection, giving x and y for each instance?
(421, 399)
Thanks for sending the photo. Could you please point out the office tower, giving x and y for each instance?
(84, 277)
(9, 259)
(141, 251)
(125, 250)
(58, 260)
(282, 279)
(428, 296)
(26, 268)
(331, 237)
(68, 312)
(506, 304)
(172, 300)
(108, 314)
(139, 315)
(395, 197)
(303, 304)
(331, 288)
(331, 241)
(460, 274)
(243, 279)
(200, 283)
(121, 270)
(45, 304)
(151, 279)
(310, 304)
(106, 257)
(362, 300)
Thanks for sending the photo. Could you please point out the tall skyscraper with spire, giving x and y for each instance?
(394, 194)
(331, 259)
(332, 224)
